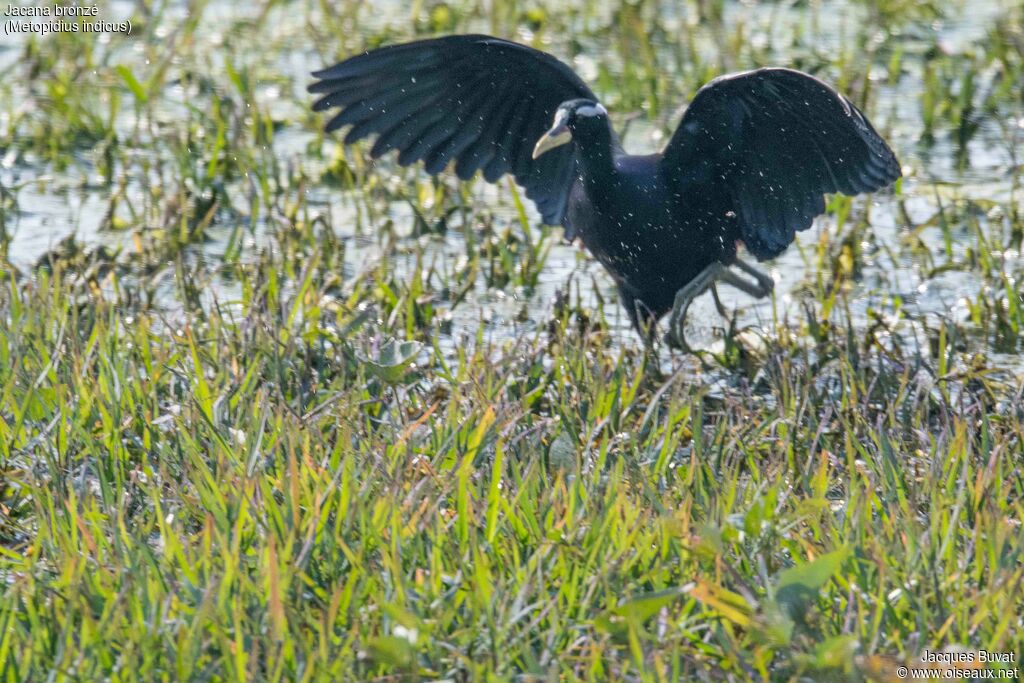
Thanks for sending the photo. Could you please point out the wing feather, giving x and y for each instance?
(477, 101)
(780, 140)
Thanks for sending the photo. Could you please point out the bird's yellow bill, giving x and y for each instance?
(556, 137)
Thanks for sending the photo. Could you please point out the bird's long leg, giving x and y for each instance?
(694, 288)
(716, 272)
(759, 289)
(765, 283)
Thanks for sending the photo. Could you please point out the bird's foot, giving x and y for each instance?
(761, 287)
(719, 306)
(676, 336)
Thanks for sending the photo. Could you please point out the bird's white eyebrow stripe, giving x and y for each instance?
(595, 110)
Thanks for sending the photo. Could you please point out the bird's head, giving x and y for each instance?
(572, 118)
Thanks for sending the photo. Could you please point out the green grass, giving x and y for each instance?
(270, 431)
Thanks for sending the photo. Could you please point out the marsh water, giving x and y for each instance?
(52, 201)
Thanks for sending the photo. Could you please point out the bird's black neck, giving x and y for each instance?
(596, 153)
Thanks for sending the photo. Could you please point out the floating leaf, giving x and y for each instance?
(797, 586)
(392, 360)
(562, 454)
(642, 607)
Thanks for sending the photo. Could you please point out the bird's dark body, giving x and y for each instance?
(750, 161)
(642, 230)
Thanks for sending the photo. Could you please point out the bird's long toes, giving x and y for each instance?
(675, 338)
(719, 306)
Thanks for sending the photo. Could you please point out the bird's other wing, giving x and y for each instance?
(778, 140)
(480, 101)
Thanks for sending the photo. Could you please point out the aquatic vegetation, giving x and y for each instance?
(270, 411)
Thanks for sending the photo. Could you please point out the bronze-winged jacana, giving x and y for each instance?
(749, 162)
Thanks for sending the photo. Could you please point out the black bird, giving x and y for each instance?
(749, 162)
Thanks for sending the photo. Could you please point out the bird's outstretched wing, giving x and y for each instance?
(778, 140)
(480, 101)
